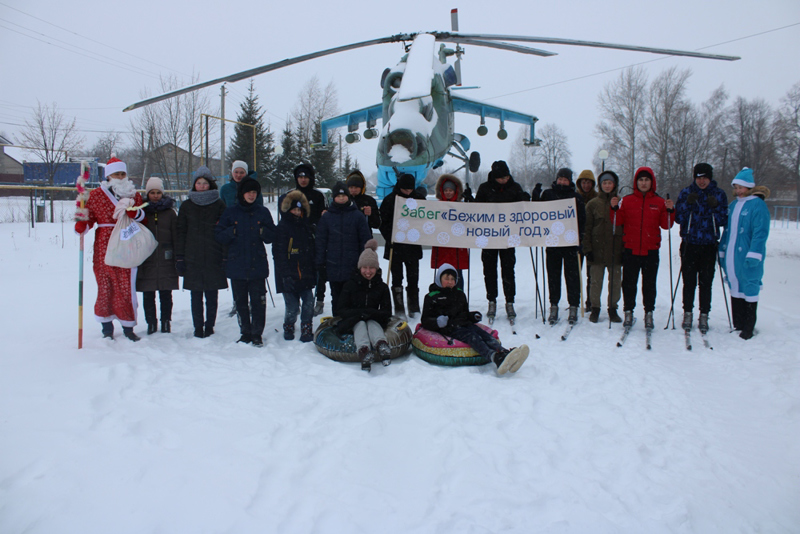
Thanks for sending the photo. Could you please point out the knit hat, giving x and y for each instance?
(339, 189)
(304, 169)
(369, 258)
(204, 173)
(115, 165)
(154, 183)
(703, 170)
(745, 178)
(499, 170)
(239, 164)
(356, 179)
(445, 268)
(406, 181)
(448, 185)
(564, 172)
(606, 176)
(249, 185)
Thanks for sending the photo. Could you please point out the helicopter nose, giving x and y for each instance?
(403, 145)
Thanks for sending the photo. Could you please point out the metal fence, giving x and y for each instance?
(786, 216)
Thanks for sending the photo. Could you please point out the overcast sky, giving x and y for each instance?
(94, 58)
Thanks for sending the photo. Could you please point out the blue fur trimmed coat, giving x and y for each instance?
(743, 246)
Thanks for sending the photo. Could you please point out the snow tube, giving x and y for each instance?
(343, 349)
(440, 350)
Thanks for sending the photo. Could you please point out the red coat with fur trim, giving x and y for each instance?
(116, 294)
(643, 215)
(457, 257)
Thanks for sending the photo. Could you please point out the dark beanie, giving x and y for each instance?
(703, 170)
(304, 169)
(339, 189)
(500, 169)
(250, 185)
(355, 179)
(564, 172)
(406, 181)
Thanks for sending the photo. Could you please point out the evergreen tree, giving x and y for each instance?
(287, 160)
(324, 161)
(242, 143)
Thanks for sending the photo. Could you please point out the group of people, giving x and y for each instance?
(220, 234)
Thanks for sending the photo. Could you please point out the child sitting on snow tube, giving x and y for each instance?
(446, 311)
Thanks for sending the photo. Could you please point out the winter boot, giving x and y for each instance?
(687, 320)
(702, 323)
(613, 316)
(166, 327)
(492, 311)
(257, 341)
(245, 338)
(209, 330)
(511, 360)
(198, 332)
(510, 310)
(553, 317)
(648, 320)
(128, 332)
(366, 356)
(233, 311)
(595, 315)
(288, 331)
(384, 352)
(306, 332)
(413, 302)
(152, 328)
(399, 307)
(318, 307)
(628, 319)
(108, 330)
(572, 318)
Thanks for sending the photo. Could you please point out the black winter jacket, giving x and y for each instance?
(244, 228)
(563, 192)
(491, 191)
(196, 244)
(293, 253)
(451, 302)
(157, 273)
(364, 300)
(402, 251)
(341, 234)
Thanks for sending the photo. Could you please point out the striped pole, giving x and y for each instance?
(80, 186)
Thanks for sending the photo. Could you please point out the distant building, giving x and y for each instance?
(10, 168)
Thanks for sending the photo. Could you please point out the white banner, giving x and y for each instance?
(485, 225)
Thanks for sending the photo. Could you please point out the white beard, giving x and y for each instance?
(122, 188)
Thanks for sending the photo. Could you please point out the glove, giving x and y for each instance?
(81, 227)
(751, 263)
(122, 205)
(441, 321)
(180, 266)
(590, 257)
(288, 285)
(712, 202)
(691, 198)
(537, 192)
(477, 316)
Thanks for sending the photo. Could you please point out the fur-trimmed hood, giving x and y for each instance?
(761, 191)
(292, 198)
(449, 178)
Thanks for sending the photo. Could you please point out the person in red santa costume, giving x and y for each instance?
(116, 291)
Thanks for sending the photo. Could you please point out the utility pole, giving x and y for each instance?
(222, 129)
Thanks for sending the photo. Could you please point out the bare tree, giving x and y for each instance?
(552, 154)
(523, 161)
(623, 106)
(315, 104)
(51, 137)
(788, 144)
(169, 133)
(106, 144)
(750, 135)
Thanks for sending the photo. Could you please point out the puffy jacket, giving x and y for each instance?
(599, 231)
(341, 234)
(196, 244)
(563, 192)
(293, 253)
(643, 216)
(157, 273)
(698, 221)
(492, 191)
(364, 300)
(451, 302)
(229, 192)
(244, 228)
(457, 257)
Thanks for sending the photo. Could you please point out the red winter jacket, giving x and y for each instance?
(643, 216)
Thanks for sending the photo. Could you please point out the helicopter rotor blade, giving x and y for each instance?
(441, 36)
(505, 46)
(454, 27)
(271, 66)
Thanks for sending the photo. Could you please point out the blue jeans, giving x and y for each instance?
(479, 339)
(292, 301)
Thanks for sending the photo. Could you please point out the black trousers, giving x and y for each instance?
(568, 257)
(698, 263)
(149, 304)
(212, 301)
(412, 273)
(631, 266)
(320, 289)
(744, 315)
(251, 305)
(508, 259)
(336, 292)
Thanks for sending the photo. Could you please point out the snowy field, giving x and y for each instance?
(181, 435)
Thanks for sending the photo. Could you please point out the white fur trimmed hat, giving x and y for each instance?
(745, 178)
(115, 165)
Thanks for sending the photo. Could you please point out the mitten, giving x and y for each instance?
(712, 202)
(81, 227)
(537, 192)
(477, 316)
(441, 321)
(122, 205)
(691, 198)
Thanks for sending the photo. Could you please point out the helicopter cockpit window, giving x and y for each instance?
(386, 72)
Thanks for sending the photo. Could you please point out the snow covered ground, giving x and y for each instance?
(180, 435)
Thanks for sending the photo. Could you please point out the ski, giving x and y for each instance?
(687, 336)
(490, 319)
(648, 333)
(706, 344)
(626, 330)
(565, 335)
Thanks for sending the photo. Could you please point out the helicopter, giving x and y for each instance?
(418, 105)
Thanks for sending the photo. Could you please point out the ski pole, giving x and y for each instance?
(674, 293)
(669, 238)
(539, 304)
(611, 273)
(721, 277)
(79, 185)
(269, 290)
